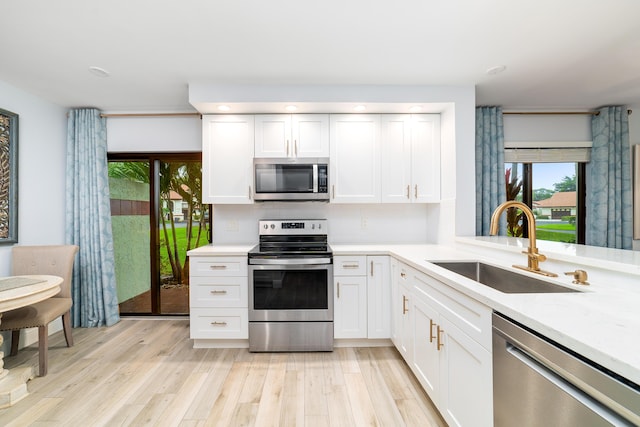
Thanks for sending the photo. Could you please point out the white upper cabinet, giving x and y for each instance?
(410, 170)
(292, 135)
(355, 158)
(227, 159)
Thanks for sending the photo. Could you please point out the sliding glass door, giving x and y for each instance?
(156, 217)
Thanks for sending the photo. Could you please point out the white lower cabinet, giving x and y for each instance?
(445, 337)
(362, 292)
(218, 298)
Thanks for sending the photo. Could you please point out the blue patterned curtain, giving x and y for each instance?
(490, 190)
(88, 225)
(609, 216)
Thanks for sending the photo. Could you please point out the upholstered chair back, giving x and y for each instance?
(54, 260)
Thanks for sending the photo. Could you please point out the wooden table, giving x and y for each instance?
(16, 292)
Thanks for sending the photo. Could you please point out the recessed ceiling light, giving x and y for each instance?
(224, 108)
(496, 70)
(415, 109)
(359, 108)
(291, 108)
(99, 72)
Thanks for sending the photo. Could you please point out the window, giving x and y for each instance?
(555, 193)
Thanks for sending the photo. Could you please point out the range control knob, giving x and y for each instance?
(273, 226)
(266, 226)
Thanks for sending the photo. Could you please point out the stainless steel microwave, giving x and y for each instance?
(291, 179)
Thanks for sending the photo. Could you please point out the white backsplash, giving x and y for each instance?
(353, 223)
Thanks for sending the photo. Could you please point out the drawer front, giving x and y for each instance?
(218, 292)
(472, 317)
(350, 265)
(225, 323)
(218, 266)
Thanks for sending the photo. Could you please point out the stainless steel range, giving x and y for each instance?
(291, 287)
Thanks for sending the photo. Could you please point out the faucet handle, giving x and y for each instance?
(579, 277)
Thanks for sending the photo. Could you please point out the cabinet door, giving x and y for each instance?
(350, 307)
(378, 297)
(355, 158)
(425, 158)
(227, 159)
(466, 395)
(273, 135)
(395, 143)
(310, 133)
(426, 355)
(405, 330)
(394, 274)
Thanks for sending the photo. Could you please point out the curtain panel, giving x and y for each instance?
(609, 216)
(490, 184)
(88, 222)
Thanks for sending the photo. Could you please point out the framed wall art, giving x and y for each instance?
(8, 177)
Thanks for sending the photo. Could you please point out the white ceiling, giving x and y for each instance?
(568, 54)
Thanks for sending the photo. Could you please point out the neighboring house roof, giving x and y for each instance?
(558, 200)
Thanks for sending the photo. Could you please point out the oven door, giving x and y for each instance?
(293, 292)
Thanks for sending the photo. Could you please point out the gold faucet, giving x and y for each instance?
(533, 257)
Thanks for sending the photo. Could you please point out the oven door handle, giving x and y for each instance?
(289, 262)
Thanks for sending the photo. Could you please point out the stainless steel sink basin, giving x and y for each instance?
(500, 279)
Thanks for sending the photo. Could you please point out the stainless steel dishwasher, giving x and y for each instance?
(539, 383)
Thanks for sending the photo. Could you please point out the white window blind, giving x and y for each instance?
(547, 152)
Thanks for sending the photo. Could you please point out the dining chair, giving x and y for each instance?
(54, 260)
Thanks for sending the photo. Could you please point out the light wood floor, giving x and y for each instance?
(145, 372)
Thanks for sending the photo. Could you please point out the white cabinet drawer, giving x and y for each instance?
(350, 265)
(218, 292)
(218, 266)
(225, 323)
(472, 317)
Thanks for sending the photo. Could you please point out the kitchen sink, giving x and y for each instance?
(500, 279)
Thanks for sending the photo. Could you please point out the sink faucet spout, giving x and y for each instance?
(533, 257)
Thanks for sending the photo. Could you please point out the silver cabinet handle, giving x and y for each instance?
(295, 148)
(338, 290)
(416, 192)
(408, 191)
(249, 192)
(350, 266)
(218, 267)
(371, 268)
(218, 323)
(287, 148)
(333, 191)
(216, 292)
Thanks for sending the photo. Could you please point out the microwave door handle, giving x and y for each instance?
(315, 178)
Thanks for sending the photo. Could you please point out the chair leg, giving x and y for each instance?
(15, 341)
(43, 344)
(66, 325)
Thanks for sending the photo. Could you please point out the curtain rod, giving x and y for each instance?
(592, 113)
(151, 115)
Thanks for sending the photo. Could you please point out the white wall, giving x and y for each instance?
(154, 134)
(41, 180)
(41, 170)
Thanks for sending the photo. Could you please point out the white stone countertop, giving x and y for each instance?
(602, 322)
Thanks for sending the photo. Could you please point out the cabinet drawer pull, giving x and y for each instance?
(333, 191)
(216, 292)
(295, 148)
(218, 267)
(403, 275)
(218, 323)
(404, 304)
(350, 266)
(439, 343)
(431, 325)
(416, 192)
(371, 268)
(287, 148)
(338, 290)
(249, 192)
(408, 191)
